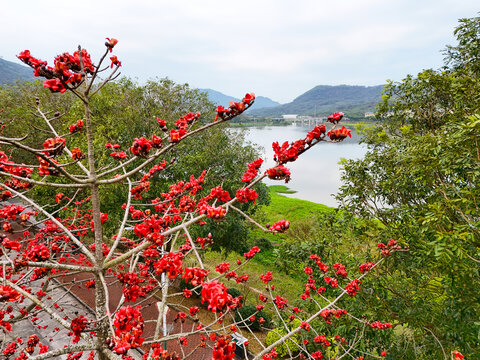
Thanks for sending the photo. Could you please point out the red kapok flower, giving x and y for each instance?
(280, 226)
(8, 294)
(339, 134)
(78, 325)
(54, 85)
(115, 62)
(215, 294)
(77, 153)
(249, 98)
(111, 43)
(279, 172)
(335, 117)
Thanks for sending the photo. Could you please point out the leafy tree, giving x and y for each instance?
(420, 180)
(124, 108)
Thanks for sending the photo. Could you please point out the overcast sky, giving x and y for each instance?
(274, 48)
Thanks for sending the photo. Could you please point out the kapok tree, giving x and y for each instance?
(45, 245)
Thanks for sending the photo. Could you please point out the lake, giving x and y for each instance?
(316, 173)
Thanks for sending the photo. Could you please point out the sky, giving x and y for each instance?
(275, 48)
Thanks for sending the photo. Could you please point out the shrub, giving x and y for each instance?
(290, 344)
(234, 292)
(246, 312)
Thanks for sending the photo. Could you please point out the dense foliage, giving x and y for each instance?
(124, 108)
(420, 180)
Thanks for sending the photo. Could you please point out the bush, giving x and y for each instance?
(246, 312)
(277, 333)
(234, 292)
(263, 243)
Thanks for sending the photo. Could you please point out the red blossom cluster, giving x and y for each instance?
(140, 147)
(340, 269)
(280, 302)
(245, 195)
(224, 349)
(279, 172)
(67, 69)
(38, 252)
(335, 117)
(305, 326)
(250, 254)
(223, 267)
(280, 226)
(46, 167)
(215, 295)
(267, 277)
(8, 294)
(9, 167)
(319, 263)
(11, 211)
(317, 133)
(380, 325)
(252, 170)
(54, 146)
(388, 248)
(339, 134)
(139, 189)
(353, 287)
(162, 124)
(328, 313)
(331, 281)
(194, 275)
(115, 62)
(321, 339)
(181, 125)
(365, 267)
(216, 214)
(271, 355)
(132, 289)
(170, 263)
(77, 154)
(235, 108)
(76, 127)
(219, 194)
(286, 152)
(77, 326)
(128, 329)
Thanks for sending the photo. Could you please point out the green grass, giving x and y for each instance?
(281, 189)
(291, 209)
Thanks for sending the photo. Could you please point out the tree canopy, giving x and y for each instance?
(420, 179)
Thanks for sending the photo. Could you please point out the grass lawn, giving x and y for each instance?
(283, 207)
(291, 209)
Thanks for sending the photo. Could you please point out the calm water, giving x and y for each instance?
(315, 174)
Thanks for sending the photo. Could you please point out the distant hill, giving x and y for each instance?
(354, 101)
(221, 99)
(11, 72)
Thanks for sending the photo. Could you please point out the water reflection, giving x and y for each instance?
(316, 174)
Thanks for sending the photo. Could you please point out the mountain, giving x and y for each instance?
(11, 72)
(219, 98)
(354, 101)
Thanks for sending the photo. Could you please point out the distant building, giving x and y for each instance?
(369, 114)
(290, 117)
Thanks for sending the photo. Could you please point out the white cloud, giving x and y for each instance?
(280, 47)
